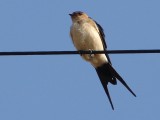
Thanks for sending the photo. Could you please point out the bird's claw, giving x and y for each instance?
(91, 55)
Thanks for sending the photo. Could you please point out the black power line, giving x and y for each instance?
(79, 52)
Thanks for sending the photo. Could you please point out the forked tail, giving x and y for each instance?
(107, 74)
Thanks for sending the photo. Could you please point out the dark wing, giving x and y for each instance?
(102, 35)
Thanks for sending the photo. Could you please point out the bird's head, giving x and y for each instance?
(78, 15)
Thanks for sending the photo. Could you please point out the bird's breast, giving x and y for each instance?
(86, 37)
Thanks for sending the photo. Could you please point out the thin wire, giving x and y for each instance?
(79, 52)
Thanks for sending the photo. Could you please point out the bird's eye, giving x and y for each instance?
(79, 13)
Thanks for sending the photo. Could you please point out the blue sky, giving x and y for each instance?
(66, 87)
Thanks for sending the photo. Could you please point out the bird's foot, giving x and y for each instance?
(91, 55)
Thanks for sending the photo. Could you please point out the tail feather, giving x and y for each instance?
(106, 77)
(107, 74)
(115, 74)
(108, 95)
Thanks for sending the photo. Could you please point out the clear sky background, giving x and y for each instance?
(66, 87)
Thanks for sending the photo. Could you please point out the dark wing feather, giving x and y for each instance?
(102, 35)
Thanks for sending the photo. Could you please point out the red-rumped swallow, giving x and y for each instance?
(87, 34)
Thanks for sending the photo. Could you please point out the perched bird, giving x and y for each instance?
(87, 34)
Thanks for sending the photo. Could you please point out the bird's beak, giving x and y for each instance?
(71, 15)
